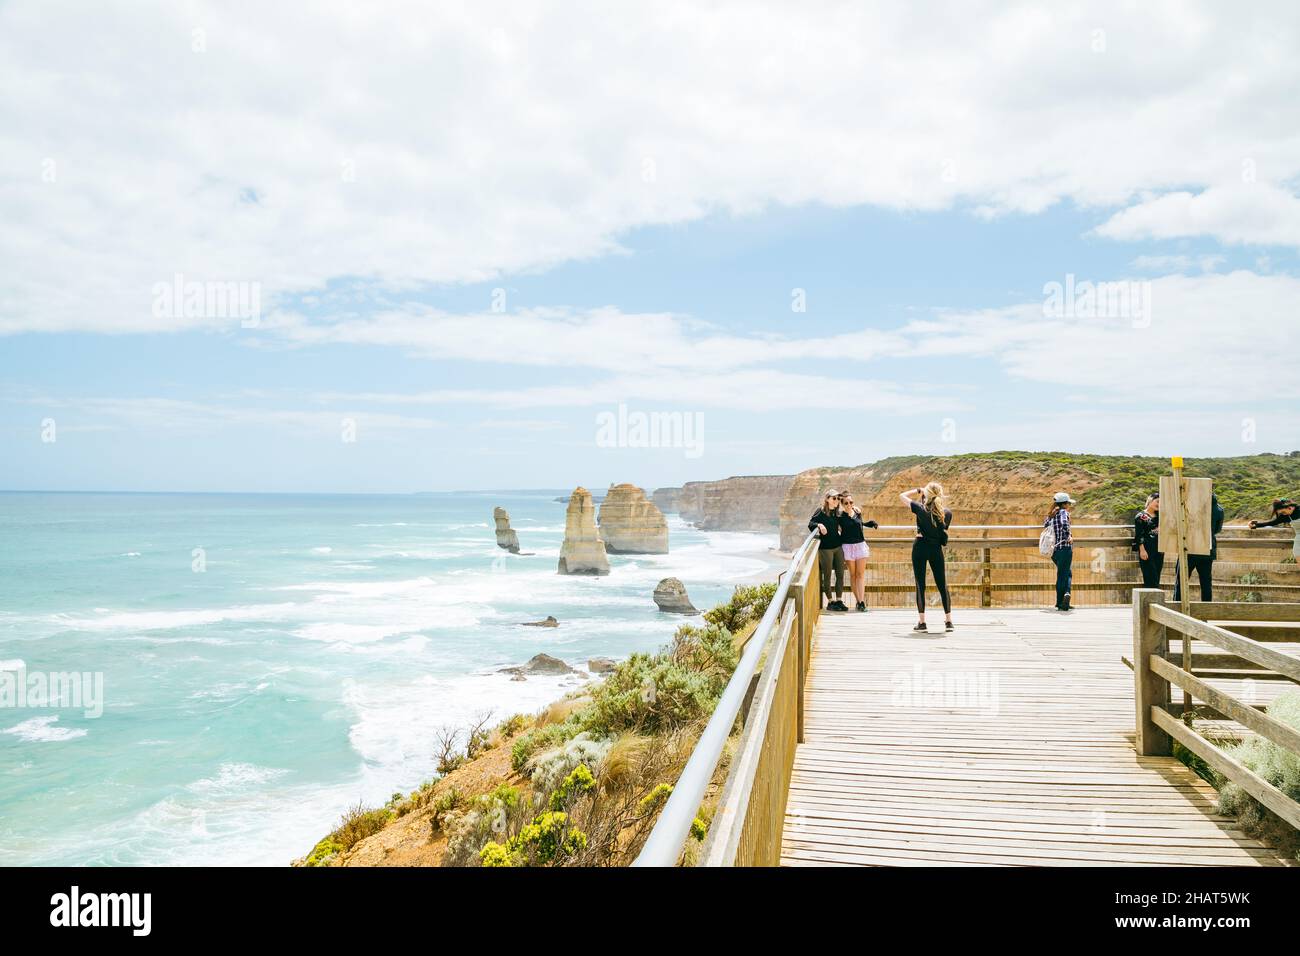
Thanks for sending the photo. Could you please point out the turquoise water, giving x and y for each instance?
(308, 666)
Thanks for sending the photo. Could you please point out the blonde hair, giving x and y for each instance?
(934, 502)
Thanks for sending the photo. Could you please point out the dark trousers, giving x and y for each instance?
(1151, 569)
(1203, 567)
(929, 552)
(1063, 558)
(831, 560)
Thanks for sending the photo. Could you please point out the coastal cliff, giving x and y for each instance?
(742, 503)
(630, 523)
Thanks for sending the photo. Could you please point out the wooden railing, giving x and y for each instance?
(1155, 670)
(766, 694)
(1102, 554)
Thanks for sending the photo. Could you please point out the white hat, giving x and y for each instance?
(1062, 498)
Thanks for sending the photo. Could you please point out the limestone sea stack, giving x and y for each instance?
(582, 552)
(506, 537)
(670, 596)
(631, 524)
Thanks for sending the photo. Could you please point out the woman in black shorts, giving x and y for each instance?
(932, 523)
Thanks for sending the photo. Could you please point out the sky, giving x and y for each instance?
(392, 247)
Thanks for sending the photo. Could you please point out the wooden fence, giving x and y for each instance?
(1156, 670)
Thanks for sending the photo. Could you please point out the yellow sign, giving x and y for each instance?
(1178, 461)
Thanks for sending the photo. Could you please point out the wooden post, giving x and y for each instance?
(986, 576)
(1149, 689)
(801, 669)
(1184, 585)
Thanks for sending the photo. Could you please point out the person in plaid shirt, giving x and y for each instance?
(1063, 553)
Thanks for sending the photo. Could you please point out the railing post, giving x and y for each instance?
(1149, 689)
(798, 595)
(986, 576)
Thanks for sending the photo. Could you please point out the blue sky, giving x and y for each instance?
(464, 282)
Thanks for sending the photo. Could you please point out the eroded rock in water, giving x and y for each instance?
(506, 537)
(670, 596)
(540, 664)
(601, 665)
(631, 524)
(550, 621)
(583, 552)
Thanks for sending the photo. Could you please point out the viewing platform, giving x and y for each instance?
(1025, 737)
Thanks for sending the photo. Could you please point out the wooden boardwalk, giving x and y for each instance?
(1008, 742)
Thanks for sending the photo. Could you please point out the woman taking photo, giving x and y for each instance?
(1146, 542)
(855, 547)
(932, 523)
(1283, 514)
(1063, 550)
(825, 523)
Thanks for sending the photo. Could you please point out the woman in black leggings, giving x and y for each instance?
(932, 523)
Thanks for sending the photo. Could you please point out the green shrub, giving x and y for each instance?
(357, 823)
(542, 842)
(323, 853)
(1278, 766)
(512, 725)
(446, 803)
(542, 738)
(655, 799)
(577, 783)
(650, 695)
(748, 603)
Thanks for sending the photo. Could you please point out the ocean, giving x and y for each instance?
(269, 660)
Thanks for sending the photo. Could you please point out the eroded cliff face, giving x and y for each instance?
(980, 491)
(631, 524)
(582, 552)
(743, 503)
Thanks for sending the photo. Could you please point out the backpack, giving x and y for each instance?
(1047, 541)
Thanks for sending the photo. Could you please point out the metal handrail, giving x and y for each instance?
(664, 845)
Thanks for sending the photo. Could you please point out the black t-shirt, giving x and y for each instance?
(851, 528)
(924, 524)
(833, 537)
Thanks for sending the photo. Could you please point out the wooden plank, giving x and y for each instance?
(1247, 716)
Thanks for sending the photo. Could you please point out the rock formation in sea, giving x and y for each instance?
(582, 552)
(540, 664)
(506, 537)
(743, 503)
(601, 665)
(630, 524)
(670, 596)
(550, 621)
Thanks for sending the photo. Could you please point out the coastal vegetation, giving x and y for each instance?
(579, 784)
(1275, 764)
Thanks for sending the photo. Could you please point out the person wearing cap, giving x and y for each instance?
(825, 523)
(1063, 552)
(1146, 541)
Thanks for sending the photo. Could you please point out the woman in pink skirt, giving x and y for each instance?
(855, 547)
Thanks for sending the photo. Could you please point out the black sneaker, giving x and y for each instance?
(920, 627)
(947, 626)
(862, 605)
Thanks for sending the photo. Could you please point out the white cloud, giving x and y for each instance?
(1248, 213)
(410, 143)
(1212, 340)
